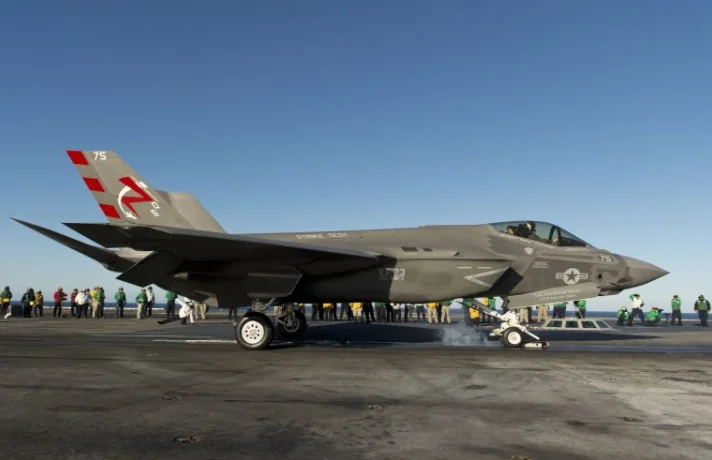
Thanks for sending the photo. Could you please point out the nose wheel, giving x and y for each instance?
(512, 338)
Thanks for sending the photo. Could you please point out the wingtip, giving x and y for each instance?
(21, 222)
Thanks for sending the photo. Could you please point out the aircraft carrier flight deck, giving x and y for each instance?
(79, 389)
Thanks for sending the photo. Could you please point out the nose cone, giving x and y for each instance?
(640, 272)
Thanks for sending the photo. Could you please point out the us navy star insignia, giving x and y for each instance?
(572, 276)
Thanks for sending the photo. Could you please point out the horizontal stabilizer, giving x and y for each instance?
(559, 294)
(156, 265)
(105, 257)
(200, 245)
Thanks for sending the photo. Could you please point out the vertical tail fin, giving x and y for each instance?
(123, 195)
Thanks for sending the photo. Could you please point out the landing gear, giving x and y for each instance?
(512, 338)
(255, 330)
(292, 323)
(511, 333)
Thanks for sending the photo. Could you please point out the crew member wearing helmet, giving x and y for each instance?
(526, 230)
(185, 311)
(623, 316)
(653, 317)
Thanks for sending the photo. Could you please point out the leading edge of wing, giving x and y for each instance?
(101, 255)
(157, 238)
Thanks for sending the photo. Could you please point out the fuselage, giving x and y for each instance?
(431, 263)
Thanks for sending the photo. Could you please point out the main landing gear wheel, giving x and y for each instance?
(254, 332)
(512, 338)
(293, 326)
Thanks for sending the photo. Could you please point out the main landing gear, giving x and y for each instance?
(511, 333)
(255, 330)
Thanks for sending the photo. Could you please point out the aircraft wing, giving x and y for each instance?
(105, 257)
(198, 245)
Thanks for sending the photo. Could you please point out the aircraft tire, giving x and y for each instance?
(513, 338)
(301, 327)
(254, 331)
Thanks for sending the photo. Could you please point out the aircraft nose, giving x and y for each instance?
(641, 272)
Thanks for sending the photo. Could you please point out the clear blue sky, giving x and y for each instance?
(317, 115)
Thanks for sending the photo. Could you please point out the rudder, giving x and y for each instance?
(123, 195)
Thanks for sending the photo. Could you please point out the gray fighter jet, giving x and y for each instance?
(170, 240)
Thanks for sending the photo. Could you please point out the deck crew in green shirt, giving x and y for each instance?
(676, 307)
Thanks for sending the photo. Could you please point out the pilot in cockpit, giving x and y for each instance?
(526, 230)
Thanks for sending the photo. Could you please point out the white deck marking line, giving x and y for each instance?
(196, 341)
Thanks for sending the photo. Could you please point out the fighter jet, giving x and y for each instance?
(170, 240)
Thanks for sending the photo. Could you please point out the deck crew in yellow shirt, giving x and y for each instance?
(432, 312)
(357, 310)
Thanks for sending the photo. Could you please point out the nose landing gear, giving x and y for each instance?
(511, 333)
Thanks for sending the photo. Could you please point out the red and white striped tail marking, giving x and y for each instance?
(78, 158)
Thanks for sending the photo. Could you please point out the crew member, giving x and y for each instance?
(329, 311)
(39, 304)
(102, 302)
(200, 310)
(140, 302)
(432, 312)
(522, 315)
(82, 299)
(472, 315)
(73, 302)
(676, 307)
(27, 301)
(368, 312)
(420, 312)
(315, 311)
(623, 316)
(356, 309)
(653, 317)
(171, 305)
(445, 311)
(542, 313)
(5, 297)
(120, 299)
(150, 300)
(407, 312)
(396, 313)
(559, 310)
(380, 311)
(581, 308)
(95, 296)
(345, 307)
(492, 305)
(637, 309)
(702, 307)
(59, 297)
(186, 310)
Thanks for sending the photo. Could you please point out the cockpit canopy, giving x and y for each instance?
(542, 232)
